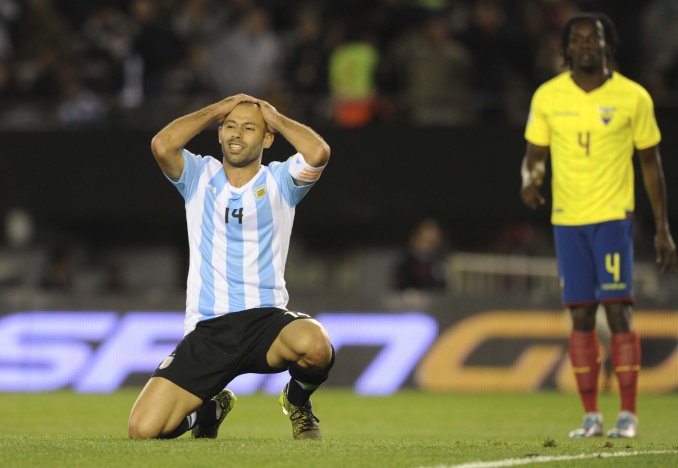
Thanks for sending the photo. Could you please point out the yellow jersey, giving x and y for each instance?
(591, 137)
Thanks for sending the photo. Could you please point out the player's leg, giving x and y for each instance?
(626, 355)
(584, 352)
(186, 390)
(614, 248)
(212, 413)
(303, 346)
(577, 272)
(162, 410)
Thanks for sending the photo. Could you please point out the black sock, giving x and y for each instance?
(207, 413)
(305, 381)
(296, 394)
(186, 424)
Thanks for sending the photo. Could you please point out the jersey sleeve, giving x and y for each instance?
(645, 130)
(188, 181)
(282, 173)
(537, 128)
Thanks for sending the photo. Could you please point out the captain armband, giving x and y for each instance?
(302, 171)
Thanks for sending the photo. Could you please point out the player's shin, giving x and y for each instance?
(207, 414)
(626, 363)
(585, 358)
(304, 381)
(185, 425)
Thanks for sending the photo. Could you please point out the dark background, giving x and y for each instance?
(103, 188)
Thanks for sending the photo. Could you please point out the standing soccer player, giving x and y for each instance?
(239, 215)
(591, 118)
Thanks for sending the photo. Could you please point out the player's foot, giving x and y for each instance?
(591, 427)
(626, 426)
(304, 422)
(225, 402)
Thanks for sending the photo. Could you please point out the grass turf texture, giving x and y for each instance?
(408, 429)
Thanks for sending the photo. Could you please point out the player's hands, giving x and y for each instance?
(532, 172)
(228, 104)
(530, 192)
(666, 252)
(270, 114)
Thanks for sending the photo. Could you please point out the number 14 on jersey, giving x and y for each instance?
(235, 213)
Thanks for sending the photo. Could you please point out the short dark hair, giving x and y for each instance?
(610, 32)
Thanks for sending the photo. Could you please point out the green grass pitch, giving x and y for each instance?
(409, 429)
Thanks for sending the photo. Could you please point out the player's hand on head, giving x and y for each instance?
(667, 258)
(229, 103)
(242, 97)
(269, 113)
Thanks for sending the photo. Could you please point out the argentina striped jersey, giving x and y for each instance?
(238, 237)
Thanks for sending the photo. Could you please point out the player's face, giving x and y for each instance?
(243, 135)
(586, 47)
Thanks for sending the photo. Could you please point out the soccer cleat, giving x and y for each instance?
(626, 426)
(591, 427)
(225, 402)
(304, 422)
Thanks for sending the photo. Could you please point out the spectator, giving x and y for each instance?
(19, 229)
(492, 45)
(306, 65)
(58, 274)
(9, 13)
(6, 79)
(422, 265)
(113, 275)
(661, 41)
(436, 73)
(246, 59)
(158, 47)
(107, 37)
(199, 20)
(352, 80)
(78, 105)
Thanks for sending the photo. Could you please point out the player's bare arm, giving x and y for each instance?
(168, 142)
(315, 150)
(532, 172)
(655, 186)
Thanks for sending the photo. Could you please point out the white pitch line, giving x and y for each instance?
(550, 458)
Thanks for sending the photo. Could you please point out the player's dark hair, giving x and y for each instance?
(610, 32)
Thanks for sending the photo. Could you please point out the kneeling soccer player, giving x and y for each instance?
(239, 215)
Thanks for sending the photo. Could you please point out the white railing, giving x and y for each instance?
(479, 274)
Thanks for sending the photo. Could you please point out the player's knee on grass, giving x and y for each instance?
(140, 428)
(150, 425)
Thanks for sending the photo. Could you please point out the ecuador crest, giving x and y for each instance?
(606, 113)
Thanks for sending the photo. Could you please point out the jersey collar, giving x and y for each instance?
(609, 79)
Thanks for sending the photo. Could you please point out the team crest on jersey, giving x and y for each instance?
(260, 192)
(168, 360)
(606, 113)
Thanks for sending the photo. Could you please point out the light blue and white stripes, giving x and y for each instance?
(238, 237)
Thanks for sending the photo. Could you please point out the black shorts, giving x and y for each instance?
(220, 349)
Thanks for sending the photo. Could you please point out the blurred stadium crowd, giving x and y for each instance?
(136, 64)
(351, 62)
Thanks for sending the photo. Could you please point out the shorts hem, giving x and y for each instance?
(579, 304)
(617, 300)
(183, 387)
